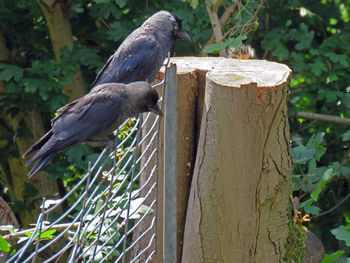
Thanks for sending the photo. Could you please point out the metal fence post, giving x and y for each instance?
(170, 167)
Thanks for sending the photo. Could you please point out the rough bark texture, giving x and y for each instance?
(57, 18)
(239, 201)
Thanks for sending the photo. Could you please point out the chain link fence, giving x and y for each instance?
(99, 219)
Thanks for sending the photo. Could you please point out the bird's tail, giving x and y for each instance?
(41, 163)
(38, 144)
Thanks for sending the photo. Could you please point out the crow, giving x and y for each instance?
(142, 53)
(93, 117)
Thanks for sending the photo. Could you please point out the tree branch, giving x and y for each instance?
(322, 117)
(215, 22)
(333, 208)
(223, 22)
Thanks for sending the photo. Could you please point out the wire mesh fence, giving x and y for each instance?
(111, 202)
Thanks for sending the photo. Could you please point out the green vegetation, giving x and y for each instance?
(295, 246)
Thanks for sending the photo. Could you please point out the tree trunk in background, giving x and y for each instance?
(239, 205)
(15, 173)
(57, 17)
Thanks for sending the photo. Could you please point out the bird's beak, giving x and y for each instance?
(155, 109)
(183, 35)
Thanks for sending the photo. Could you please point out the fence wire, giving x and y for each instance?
(110, 204)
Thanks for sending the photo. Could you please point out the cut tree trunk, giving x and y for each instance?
(233, 144)
(239, 205)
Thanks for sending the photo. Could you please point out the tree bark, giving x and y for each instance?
(57, 17)
(239, 204)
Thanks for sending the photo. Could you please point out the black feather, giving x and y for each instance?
(92, 117)
(38, 144)
(40, 164)
(143, 52)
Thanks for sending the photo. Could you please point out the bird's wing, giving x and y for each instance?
(83, 119)
(63, 109)
(130, 63)
(89, 115)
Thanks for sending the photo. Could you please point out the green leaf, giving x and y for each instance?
(317, 67)
(346, 136)
(231, 42)
(235, 42)
(121, 3)
(10, 71)
(99, 204)
(76, 153)
(329, 258)
(345, 99)
(312, 210)
(315, 144)
(102, 1)
(44, 235)
(338, 58)
(328, 95)
(306, 203)
(118, 31)
(48, 234)
(4, 245)
(281, 52)
(301, 154)
(332, 77)
(342, 233)
(214, 48)
(193, 3)
(327, 176)
(305, 41)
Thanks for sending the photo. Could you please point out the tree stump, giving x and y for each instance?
(239, 209)
(233, 161)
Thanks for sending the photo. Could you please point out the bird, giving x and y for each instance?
(142, 53)
(93, 117)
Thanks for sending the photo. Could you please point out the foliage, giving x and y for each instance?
(4, 245)
(329, 258)
(311, 38)
(229, 43)
(34, 80)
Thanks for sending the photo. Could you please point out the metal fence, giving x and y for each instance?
(110, 200)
